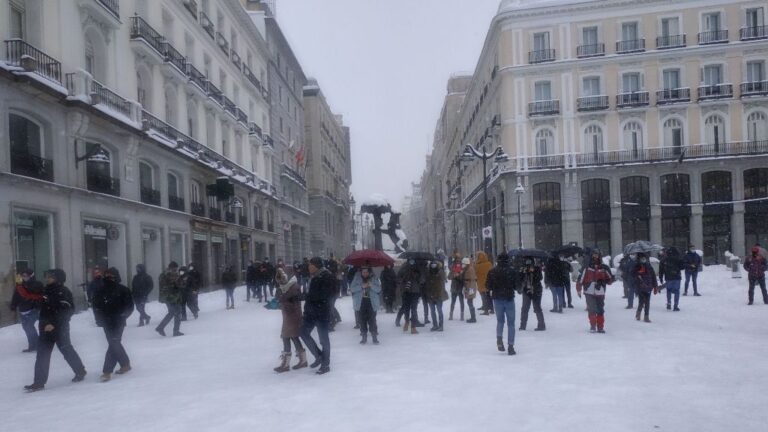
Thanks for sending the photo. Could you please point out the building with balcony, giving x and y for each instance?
(133, 131)
(623, 120)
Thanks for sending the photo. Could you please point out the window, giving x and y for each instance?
(754, 17)
(673, 133)
(25, 136)
(596, 214)
(173, 185)
(545, 142)
(547, 216)
(591, 86)
(633, 138)
(755, 213)
(629, 31)
(757, 126)
(755, 71)
(146, 179)
(196, 192)
(593, 139)
(635, 209)
(630, 82)
(18, 21)
(712, 75)
(541, 41)
(675, 220)
(90, 57)
(670, 27)
(170, 105)
(671, 79)
(589, 36)
(711, 22)
(542, 91)
(714, 127)
(143, 88)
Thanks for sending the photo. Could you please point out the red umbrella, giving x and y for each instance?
(368, 257)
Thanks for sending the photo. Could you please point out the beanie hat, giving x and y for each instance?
(317, 262)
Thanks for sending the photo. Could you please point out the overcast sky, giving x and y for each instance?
(384, 66)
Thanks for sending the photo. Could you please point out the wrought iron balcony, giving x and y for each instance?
(236, 59)
(21, 54)
(675, 95)
(242, 117)
(632, 99)
(103, 184)
(716, 91)
(546, 107)
(666, 42)
(191, 6)
(176, 203)
(174, 57)
(541, 56)
(150, 196)
(197, 209)
(754, 32)
(103, 95)
(268, 141)
(113, 6)
(755, 88)
(252, 78)
(140, 29)
(294, 175)
(215, 94)
(592, 50)
(229, 106)
(197, 77)
(29, 165)
(254, 129)
(223, 43)
(214, 213)
(242, 220)
(713, 37)
(229, 217)
(592, 103)
(630, 46)
(207, 25)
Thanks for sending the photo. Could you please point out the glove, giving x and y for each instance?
(655, 290)
(48, 327)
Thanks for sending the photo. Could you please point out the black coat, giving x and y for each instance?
(670, 268)
(194, 280)
(229, 279)
(558, 273)
(112, 304)
(251, 275)
(22, 304)
(322, 288)
(57, 306)
(141, 286)
(388, 280)
(535, 275)
(502, 282)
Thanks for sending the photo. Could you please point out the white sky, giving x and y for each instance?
(384, 65)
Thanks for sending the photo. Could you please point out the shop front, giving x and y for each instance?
(33, 241)
(104, 245)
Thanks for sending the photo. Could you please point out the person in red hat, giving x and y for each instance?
(755, 265)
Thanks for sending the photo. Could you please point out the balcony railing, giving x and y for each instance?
(242, 220)
(665, 42)
(29, 165)
(103, 184)
(755, 88)
(150, 196)
(592, 103)
(630, 46)
(592, 50)
(236, 59)
(174, 57)
(271, 228)
(672, 153)
(258, 224)
(223, 43)
(103, 95)
(268, 141)
(229, 217)
(214, 213)
(294, 175)
(175, 203)
(254, 129)
(215, 94)
(633, 99)
(541, 56)
(673, 95)
(207, 25)
(755, 32)
(229, 106)
(547, 107)
(252, 78)
(140, 29)
(191, 6)
(197, 77)
(546, 161)
(113, 6)
(21, 54)
(713, 37)
(716, 91)
(197, 209)
(242, 117)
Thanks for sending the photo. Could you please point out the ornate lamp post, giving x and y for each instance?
(519, 191)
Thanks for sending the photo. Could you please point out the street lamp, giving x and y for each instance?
(519, 191)
(498, 156)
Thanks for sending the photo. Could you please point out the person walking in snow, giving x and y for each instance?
(229, 282)
(627, 264)
(482, 267)
(170, 294)
(409, 279)
(112, 305)
(289, 294)
(141, 286)
(194, 281)
(469, 284)
(502, 283)
(56, 309)
(557, 276)
(670, 269)
(530, 281)
(755, 265)
(389, 288)
(593, 281)
(457, 284)
(692, 262)
(366, 295)
(317, 313)
(250, 281)
(436, 293)
(644, 278)
(25, 300)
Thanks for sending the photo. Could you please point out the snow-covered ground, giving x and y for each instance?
(701, 369)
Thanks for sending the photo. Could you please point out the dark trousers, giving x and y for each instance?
(250, 291)
(691, 275)
(527, 301)
(140, 306)
(368, 318)
(189, 301)
(568, 292)
(115, 351)
(389, 300)
(296, 344)
(457, 294)
(487, 302)
(174, 313)
(261, 290)
(752, 283)
(425, 304)
(60, 337)
(437, 313)
(230, 296)
(323, 336)
(28, 325)
(643, 302)
(409, 307)
(471, 306)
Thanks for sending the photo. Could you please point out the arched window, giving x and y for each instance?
(258, 217)
(175, 200)
(196, 192)
(26, 135)
(673, 133)
(90, 57)
(170, 105)
(635, 209)
(148, 190)
(596, 213)
(714, 129)
(545, 142)
(547, 217)
(757, 127)
(192, 119)
(633, 138)
(95, 55)
(755, 213)
(144, 88)
(593, 139)
(99, 170)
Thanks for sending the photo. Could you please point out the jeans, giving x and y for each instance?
(143, 315)
(322, 332)
(115, 351)
(688, 276)
(568, 293)
(368, 318)
(505, 311)
(174, 313)
(250, 291)
(437, 313)
(643, 303)
(28, 320)
(460, 295)
(471, 306)
(261, 290)
(752, 283)
(60, 337)
(673, 289)
(230, 296)
(527, 301)
(630, 295)
(558, 298)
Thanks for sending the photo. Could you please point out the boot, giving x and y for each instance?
(413, 330)
(434, 328)
(33, 387)
(105, 377)
(79, 377)
(472, 320)
(540, 328)
(500, 344)
(405, 325)
(601, 324)
(375, 339)
(646, 319)
(511, 350)
(440, 328)
(302, 360)
(364, 340)
(317, 362)
(676, 309)
(637, 315)
(123, 370)
(450, 316)
(285, 361)
(462, 316)
(592, 323)
(669, 306)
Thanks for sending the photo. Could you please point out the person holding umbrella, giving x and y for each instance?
(366, 294)
(530, 279)
(644, 278)
(593, 281)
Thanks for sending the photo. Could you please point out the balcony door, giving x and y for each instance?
(542, 91)
(712, 75)
(593, 140)
(671, 79)
(757, 127)
(589, 36)
(755, 17)
(715, 131)
(711, 22)
(591, 86)
(755, 71)
(670, 27)
(633, 139)
(18, 20)
(673, 135)
(631, 82)
(541, 41)
(545, 143)
(629, 32)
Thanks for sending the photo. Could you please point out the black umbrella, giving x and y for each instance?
(534, 253)
(417, 256)
(568, 250)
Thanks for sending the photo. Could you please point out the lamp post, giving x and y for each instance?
(519, 191)
(498, 156)
(454, 198)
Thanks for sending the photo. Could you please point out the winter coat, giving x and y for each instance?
(112, 304)
(755, 267)
(170, 288)
(262, 275)
(502, 282)
(290, 306)
(671, 266)
(250, 275)
(644, 277)
(56, 307)
(374, 292)
(94, 285)
(626, 270)
(410, 279)
(194, 280)
(26, 296)
(388, 280)
(692, 262)
(558, 273)
(322, 287)
(228, 279)
(470, 282)
(141, 286)
(530, 281)
(482, 267)
(436, 286)
(594, 279)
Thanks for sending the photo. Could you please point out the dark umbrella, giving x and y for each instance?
(568, 250)
(641, 246)
(417, 256)
(368, 257)
(534, 253)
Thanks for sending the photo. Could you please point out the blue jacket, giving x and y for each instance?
(357, 292)
(692, 262)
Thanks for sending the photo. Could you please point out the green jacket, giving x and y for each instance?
(170, 289)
